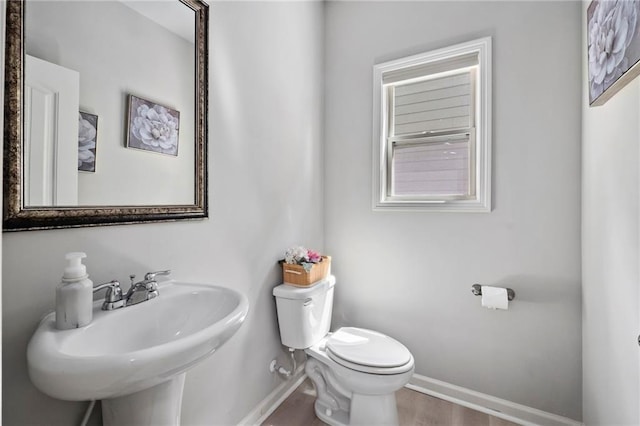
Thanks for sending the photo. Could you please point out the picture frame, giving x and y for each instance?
(87, 141)
(152, 126)
(613, 47)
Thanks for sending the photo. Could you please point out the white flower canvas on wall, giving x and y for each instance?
(152, 127)
(613, 36)
(87, 139)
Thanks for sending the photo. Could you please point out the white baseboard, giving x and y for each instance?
(517, 413)
(268, 405)
(497, 407)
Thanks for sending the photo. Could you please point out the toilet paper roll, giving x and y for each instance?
(494, 297)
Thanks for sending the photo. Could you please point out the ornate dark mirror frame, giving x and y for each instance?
(18, 218)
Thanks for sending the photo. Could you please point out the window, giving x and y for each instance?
(432, 146)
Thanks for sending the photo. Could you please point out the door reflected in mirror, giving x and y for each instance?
(93, 57)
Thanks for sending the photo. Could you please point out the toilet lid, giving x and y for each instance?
(368, 348)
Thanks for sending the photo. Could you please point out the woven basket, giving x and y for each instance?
(297, 276)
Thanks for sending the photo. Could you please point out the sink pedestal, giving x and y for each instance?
(156, 406)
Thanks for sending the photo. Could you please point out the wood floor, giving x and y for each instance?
(414, 409)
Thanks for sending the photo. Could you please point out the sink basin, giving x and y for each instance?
(135, 348)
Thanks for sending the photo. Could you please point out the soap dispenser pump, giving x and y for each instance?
(74, 295)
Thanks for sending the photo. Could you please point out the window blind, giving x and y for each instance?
(437, 168)
(431, 68)
(438, 104)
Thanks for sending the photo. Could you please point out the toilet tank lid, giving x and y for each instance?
(287, 291)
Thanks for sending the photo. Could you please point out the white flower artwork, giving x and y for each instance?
(613, 44)
(87, 136)
(152, 127)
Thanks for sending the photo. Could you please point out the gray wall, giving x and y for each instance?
(409, 274)
(266, 192)
(610, 253)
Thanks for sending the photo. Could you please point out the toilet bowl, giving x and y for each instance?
(356, 382)
(355, 371)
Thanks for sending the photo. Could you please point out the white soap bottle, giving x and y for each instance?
(74, 295)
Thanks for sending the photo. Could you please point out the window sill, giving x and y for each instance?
(439, 206)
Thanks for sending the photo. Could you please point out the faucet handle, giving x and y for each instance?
(114, 292)
(152, 275)
(113, 297)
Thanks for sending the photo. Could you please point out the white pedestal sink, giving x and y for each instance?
(134, 359)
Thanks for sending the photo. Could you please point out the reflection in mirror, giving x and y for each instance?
(79, 61)
(105, 112)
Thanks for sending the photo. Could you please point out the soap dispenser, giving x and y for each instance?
(74, 295)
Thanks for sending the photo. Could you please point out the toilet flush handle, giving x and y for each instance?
(308, 302)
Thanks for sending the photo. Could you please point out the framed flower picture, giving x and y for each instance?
(613, 37)
(152, 127)
(87, 140)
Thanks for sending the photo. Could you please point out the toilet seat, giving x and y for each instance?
(368, 351)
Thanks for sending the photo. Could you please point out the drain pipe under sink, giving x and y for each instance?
(87, 414)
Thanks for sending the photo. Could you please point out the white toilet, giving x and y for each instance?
(355, 371)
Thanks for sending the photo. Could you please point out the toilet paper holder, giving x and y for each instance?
(476, 289)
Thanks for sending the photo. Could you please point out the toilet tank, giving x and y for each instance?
(304, 313)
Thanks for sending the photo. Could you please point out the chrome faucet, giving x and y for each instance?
(138, 292)
(143, 290)
(113, 296)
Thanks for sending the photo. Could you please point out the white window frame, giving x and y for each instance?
(480, 135)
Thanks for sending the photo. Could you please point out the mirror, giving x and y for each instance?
(105, 112)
